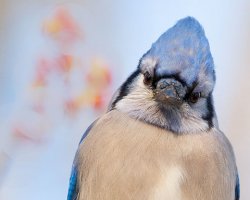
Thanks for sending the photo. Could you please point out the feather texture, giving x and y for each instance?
(73, 189)
(124, 159)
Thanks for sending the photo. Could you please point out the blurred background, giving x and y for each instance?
(60, 62)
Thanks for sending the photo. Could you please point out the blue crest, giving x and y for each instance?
(184, 50)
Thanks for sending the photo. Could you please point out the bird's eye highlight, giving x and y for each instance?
(147, 78)
(194, 97)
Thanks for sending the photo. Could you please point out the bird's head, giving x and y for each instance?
(172, 87)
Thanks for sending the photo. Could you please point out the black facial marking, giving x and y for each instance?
(124, 91)
(173, 76)
(210, 111)
(173, 119)
(147, 78)
(190, 91)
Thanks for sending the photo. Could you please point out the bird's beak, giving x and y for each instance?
(169, 91)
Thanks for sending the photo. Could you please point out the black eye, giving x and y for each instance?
(147, 78)
(194, 97)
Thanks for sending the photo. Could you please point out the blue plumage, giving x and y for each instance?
(237, 188)
(183, 50)
(72, 194)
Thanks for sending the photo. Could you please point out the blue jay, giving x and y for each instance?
(159, 139)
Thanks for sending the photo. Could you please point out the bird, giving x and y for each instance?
(160, 138)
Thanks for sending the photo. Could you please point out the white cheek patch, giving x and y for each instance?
(148, 64)
(138, 101)
(169, 186)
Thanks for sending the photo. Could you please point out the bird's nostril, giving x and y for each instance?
(163, 85)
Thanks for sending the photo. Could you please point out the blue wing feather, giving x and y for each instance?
(237, 188)
(73, 190)
(72, 193)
